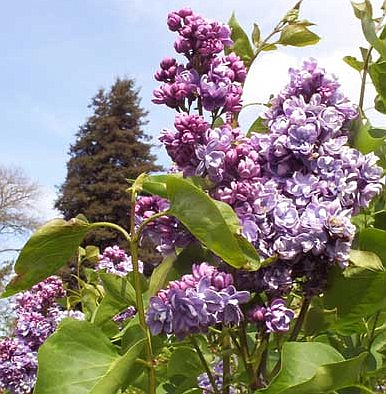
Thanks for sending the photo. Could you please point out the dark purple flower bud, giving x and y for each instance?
(174, 21)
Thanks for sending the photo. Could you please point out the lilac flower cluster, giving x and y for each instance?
(204, 383)
(295, 188)
(211, 79)
(276, 317)
(18, 358)
(166, 232)
(115, 261)
(204, 298)
(38, 315)
(38, 311)
(18, 366)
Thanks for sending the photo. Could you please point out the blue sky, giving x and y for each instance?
(56, 54)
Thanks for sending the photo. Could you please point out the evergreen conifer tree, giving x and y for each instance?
(110, 148)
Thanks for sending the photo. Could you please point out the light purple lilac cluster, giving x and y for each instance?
(276, 317)
(18, 366)
(209, 79)
(114, 260)
(204, 298)
(204, 383)
(166, 232)
(295, 188)
(38, 315)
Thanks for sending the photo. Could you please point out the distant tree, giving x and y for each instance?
(6, 315)
(110, 148)
(18, 195)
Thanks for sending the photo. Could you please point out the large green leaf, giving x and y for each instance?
(119, 288)
(212, 222)
(298, 35)
(313, 368)
(363, 140)
(48, 249)
(374, 240)
(185, 362)
(80, 359)
(241, 44)
(356, 293)
(368, 260)
(160, 274)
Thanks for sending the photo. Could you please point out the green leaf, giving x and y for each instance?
(212, 222)
(92, 254)
(119, 288)
(373, 240)
(318, 320)
(269, 47)
(356, 293)
(369, 31)
(184, 362)
(363, 9)
(363, 140)
(298, 36)
(256, 35)
(377, 73)
(353, 62)
(313, 368)
(241, 45)
(155, 184)
(258, 126)
(219, 121)
(368, 260)
(159, 276)
(48, 249)
(80, 359)
(104, 313)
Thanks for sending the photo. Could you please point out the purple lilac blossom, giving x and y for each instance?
(210, 78)
(196, 301)
(166, 232)
(276, 317)
(38, 315)
(294, 189)
(115, 261)
(18, 366)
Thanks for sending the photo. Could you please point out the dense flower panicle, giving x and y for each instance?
(115, 261)
(42, 296)
(196, 301)
(293, 189)
(166, 232)
(18, 366)
(276, 317)
(210, 78)
(38, 315)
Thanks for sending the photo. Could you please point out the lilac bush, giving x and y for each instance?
(272, 242)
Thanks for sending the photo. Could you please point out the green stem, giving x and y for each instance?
(364, 76)
(138, 296)
(205, 365)
(300, 319)
(226, 373)
(132, 238)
